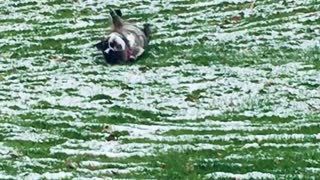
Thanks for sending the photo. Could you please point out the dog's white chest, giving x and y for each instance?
(132, 39)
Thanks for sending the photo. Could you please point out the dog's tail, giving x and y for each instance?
(147, 31)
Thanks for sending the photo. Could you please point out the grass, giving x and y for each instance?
(195, 164)
(33, 61)
(205, 55)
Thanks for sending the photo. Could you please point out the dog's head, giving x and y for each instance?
(114, 48)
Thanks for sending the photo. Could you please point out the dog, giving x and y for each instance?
(126, 42)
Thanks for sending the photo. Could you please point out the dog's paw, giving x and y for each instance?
(147, 30)
(139, 51)
(116, 12)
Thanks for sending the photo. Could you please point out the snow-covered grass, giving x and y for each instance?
(229, 89)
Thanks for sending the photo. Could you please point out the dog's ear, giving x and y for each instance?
(103, 44)
(99, 46)
(118, 12)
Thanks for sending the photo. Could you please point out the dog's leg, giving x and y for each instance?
(116, 19)
(118, 12)
(147, 31)
(138, 52)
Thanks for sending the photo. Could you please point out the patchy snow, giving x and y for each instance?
(47, 175)
(249, 175)
(50, 79)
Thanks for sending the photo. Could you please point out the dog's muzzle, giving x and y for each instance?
(129, 52)
(108, 50)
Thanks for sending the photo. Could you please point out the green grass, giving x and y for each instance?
(225, 54)
(195, 164)
(35, 67)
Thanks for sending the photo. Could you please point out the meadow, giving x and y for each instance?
(228, 89)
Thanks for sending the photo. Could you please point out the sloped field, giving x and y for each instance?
(228, 89)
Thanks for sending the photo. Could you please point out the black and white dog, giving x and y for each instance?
(126, 42)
